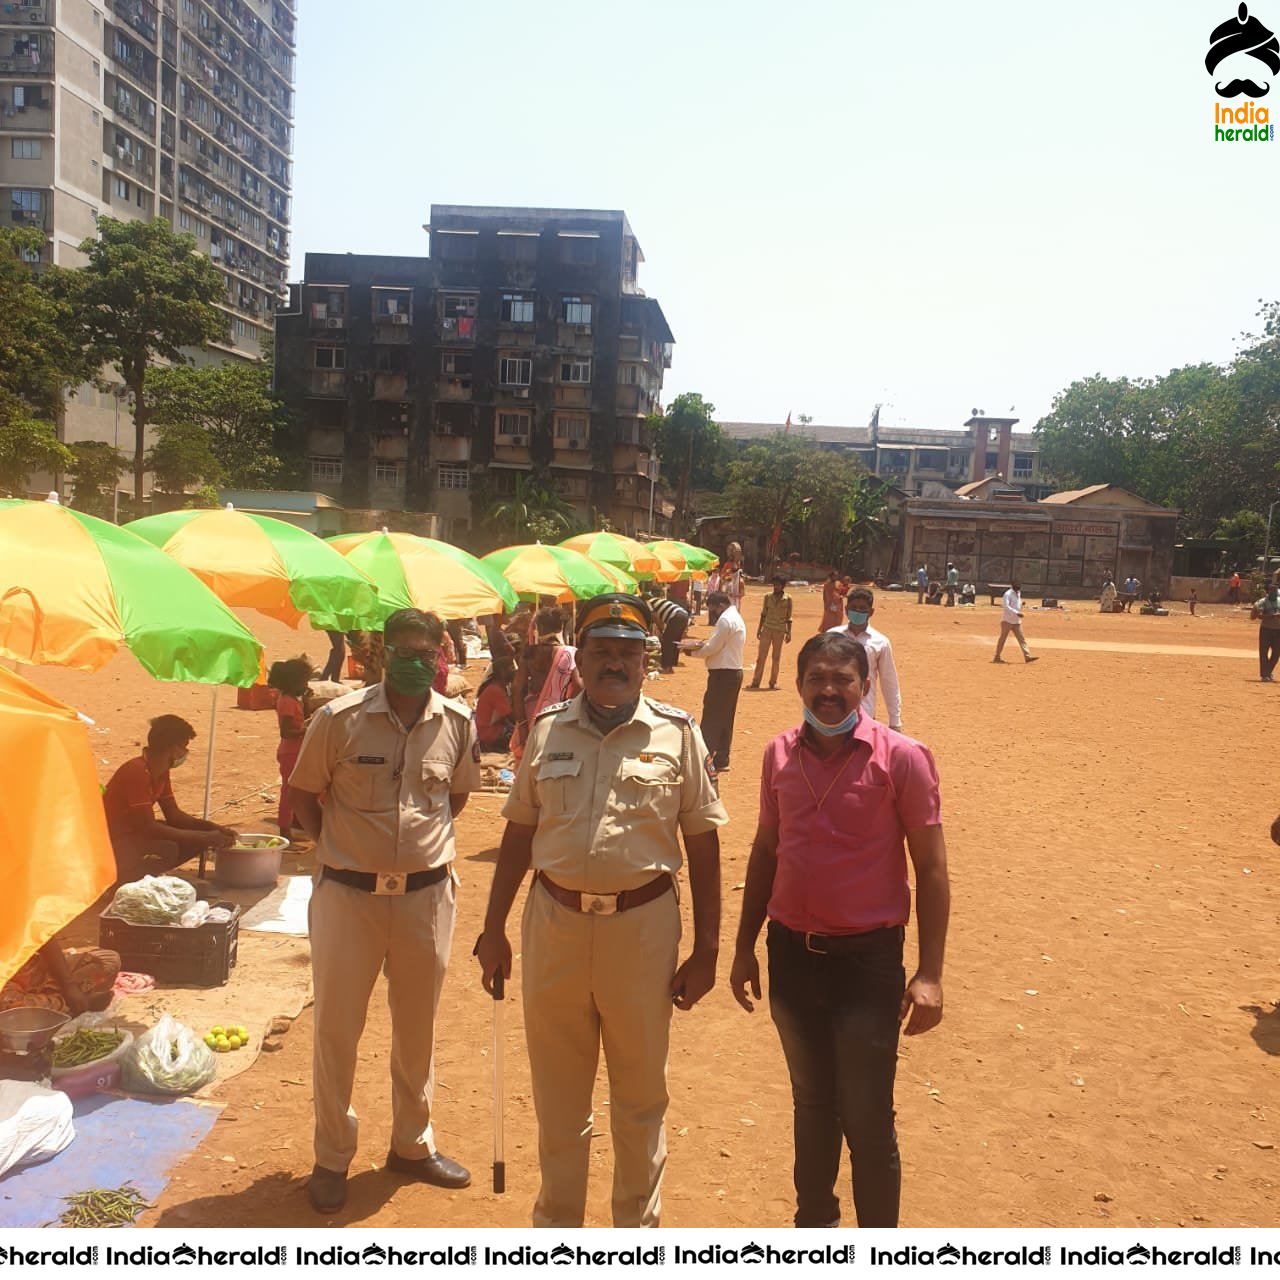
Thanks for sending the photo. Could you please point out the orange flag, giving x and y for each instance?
(55, 853)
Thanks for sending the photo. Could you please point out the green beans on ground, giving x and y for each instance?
(103, 1207)
(85, 1046)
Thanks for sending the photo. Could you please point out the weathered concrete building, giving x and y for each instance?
(523, 344)
(1061, 545)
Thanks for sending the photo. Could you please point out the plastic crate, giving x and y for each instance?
(201, 957)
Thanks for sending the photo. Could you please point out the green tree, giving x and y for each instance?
(234, 405)
(182, 458)
(144, 294)
(691, 448)
(26, 444)
(533, 512)
(824, 503)
(1247, 528)
(96, 468)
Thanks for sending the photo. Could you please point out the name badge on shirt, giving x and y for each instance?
(371, 759)
(559, 755)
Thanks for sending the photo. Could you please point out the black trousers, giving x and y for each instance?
(837, 1017)
(671, 636)
(1268, 650)
(337, 652)
(719, 707)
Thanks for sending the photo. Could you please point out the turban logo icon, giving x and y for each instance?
(1243, 34)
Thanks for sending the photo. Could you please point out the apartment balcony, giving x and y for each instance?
(957, 471)
(29, 218)
(455, 329)
(139, 15)
(322, 320)
(453, 387)
(635, 400)
(37, 60)
(327, 382)
(567, 452)
(32, 11)
(30, 118)
(451, 448)
(569, 396)
(635, 434)
(630, 459)
(513, 450)
(574, 337)
(390, 386)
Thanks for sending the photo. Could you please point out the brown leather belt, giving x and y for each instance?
(606, 904)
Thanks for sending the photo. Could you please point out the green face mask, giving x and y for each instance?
(409, 677)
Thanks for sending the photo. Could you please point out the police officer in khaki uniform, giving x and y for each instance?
(606, 782)
(397, 762)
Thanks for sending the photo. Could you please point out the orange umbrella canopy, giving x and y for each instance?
(57, 854)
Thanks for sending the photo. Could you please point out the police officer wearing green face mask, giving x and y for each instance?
(396, 761)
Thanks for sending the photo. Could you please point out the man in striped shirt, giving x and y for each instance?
(670, 620)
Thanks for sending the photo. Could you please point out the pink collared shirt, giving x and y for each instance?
(842, 868)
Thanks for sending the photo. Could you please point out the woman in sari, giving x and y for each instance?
(548, 674)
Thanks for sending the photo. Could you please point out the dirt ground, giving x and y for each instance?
(1109, 1049)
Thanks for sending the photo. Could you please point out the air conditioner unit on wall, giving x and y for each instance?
(575, 444)
(333, 322)
(522, 392)
(520, 441)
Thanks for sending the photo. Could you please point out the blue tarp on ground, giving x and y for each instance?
(117, 1140)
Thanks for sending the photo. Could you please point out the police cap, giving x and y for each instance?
(618, 615)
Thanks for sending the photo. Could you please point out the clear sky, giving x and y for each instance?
(937, 205)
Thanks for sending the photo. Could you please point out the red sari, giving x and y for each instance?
(833, 594)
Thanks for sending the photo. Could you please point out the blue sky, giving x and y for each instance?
(939, 206)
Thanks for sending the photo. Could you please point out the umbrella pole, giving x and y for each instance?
(208, 770)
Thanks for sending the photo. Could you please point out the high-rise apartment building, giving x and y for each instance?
(522, 345)
(182, 110)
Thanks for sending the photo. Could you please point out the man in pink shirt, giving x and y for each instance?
(838, 797)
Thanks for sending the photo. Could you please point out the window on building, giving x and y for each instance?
(389, 473)
(202, 228)
(572, 427)
(392, 302)
(575, 310)
(453, 475)
(391, 360)
(514, 246)
(27, 206)
(629, 375)
(459, 306)
(457, 363)
(331, 358)
(931, 459)
(515, 371)
(992, 460)
(184, 221)
(517, 308)
(515, 424)
(326, 470)
(120, 188)
(576, 371)
(456, 246)
(579, 250)
(25, 149)
(1024, 465)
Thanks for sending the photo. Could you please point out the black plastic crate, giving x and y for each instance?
(201, 957)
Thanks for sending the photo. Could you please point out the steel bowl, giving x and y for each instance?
(27, 1029)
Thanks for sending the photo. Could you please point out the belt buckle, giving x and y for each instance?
(390, 886)
(599, 904)
(808, 945)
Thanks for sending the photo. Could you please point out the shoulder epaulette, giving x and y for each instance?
(553, 709)
(348, 700)
(674, 712)
(457, 706)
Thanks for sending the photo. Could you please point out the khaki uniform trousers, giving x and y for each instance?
(585, 979)
(353, 935)
(770, 645)
(1013, 629)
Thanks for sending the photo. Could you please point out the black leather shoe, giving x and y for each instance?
(437, 1170)
(327, 1190)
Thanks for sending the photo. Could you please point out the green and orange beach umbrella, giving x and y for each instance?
(257, 562)
(616, 550)
(423, 573)
(534, 570)
(74, 590)
(682, 560)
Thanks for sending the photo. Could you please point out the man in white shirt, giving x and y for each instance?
(1011, 621)
(722, 650)
(882, 672)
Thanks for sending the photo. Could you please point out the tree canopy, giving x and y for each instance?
(691, 448)
(1204, 438)
(144, 294)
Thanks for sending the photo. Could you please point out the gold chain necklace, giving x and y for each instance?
(818, 803)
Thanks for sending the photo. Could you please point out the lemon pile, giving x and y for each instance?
(224, 1039)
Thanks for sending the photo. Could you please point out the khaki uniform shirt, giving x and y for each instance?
(387, 803)
(607, 809)
(775, 615)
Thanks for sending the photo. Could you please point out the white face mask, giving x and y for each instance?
(831, 730)
(178, 760)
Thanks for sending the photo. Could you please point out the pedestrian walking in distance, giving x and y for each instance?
(1011, 623)
(723, 652)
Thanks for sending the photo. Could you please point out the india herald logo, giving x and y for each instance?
(1243, 34)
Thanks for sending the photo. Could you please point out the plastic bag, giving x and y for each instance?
(170, 1058)
(194, 916)
(153, 900)
(35, 1124)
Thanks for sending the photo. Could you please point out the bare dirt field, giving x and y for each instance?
(1109, 1049)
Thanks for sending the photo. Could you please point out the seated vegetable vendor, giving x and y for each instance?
(143, 844)
(68, 982)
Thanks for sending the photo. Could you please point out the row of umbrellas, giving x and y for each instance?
(75, 588)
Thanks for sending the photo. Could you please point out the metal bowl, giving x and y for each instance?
(27, 1029)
